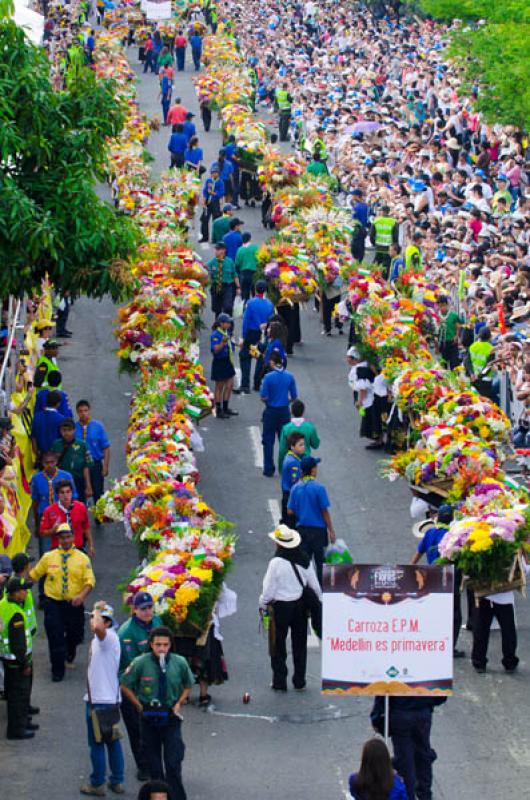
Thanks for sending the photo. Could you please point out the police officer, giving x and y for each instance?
(158, 684)
(134, 641)
(384, 231)
(47, 363)
(257, 313)
(15, 651)
(413, 254)
(284, 102)
(319, 146)
(277, 389)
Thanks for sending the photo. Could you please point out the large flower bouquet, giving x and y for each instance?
(468, 408)
(366, 283)
(494, 495)
(185, 581)
(288, 268)
(278, 170)
(484, 547)
(164, 263)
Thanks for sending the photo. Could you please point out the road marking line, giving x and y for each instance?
(255, 441)
(344, 791)
(275, 511)
(211, 710)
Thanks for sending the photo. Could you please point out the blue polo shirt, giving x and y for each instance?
(39, 488)
(194, 156)
(257, 312)
(218, 187)
(94, 436)
(291, 472)
(308, 499)
(360, 212)
(429, 544)
(188, 129)
(230, 151)
(196, 43)
(233, 241)
(178, 143)
(278, 388)
(45, 428)
(42, 399)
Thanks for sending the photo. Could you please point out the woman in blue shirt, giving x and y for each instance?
(193, 155)
(222, 348)
(376, 779)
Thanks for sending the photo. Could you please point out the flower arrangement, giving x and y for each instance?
(288, 268)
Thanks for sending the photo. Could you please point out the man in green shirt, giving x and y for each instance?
(317, 167)
(74, 457)
(224, 283)
(221, 225)
(450, 324)
(246, 265)
(301, 425)
(158, 684)
(134, 641)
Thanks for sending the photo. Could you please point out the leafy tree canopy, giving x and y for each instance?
(52, 152)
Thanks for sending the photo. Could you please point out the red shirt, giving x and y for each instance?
(78, 520)
(176, 115)
(180, 41)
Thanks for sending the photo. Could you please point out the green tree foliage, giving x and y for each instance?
(52, 152)
(491, 47)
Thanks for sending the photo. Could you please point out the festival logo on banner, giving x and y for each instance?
(387, 629)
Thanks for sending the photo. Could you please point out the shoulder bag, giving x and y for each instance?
(105, 721)
(312, 604)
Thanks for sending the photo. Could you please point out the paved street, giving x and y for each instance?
(300, 747)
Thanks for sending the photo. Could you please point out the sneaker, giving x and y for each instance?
(117, 788)
(278, 688)
(480, 670)
(97, 791)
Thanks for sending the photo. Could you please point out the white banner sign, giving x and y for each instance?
(387, 630)
(156, 9)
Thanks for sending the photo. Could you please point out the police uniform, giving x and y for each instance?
(15, 651)
(283, 99)
(158, 692)
(134, 641)
(384, 232)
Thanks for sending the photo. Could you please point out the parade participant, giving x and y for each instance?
(257, 312)
(224, 283)
(155, 790)
(54, 384)
(499, 606)
(316, 167)
(69, 512)
(413, 254)
(16, 654)
(309, 504)
(212, 198)
(304, 426)
(20, 564)
(158, 685)
(288, 573)
(450, 324)
(188, 126)
(222, 349)
(277, 390)
(193, 157)
(410, 730)
(45, 429)
(376, 779)
(177, 113)
(134, 641)
(92, 432)
(177, 145)
(69, 579)
(233, 240)
(166, 89)
(180, 50)
(246, 265)
(290, 469)
(47, 363)
(284, 103)
(73, 456)
(103, 696)
(196, 49)
(206, 115)
(384, 231)
(221, 225)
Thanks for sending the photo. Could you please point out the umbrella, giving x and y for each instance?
(365, 127)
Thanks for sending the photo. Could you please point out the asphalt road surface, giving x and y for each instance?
(296, 746)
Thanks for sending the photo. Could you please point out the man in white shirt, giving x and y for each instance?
(103, 694)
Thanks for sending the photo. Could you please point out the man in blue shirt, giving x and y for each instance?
(230, 150)
(233, 239)
(277, 389)
(54, 381)
(177, 146)
(46, 424)
(291, 472)
(196, 50)
(213, 198)
(309, 503)
(188, 126)
(93, 434)
(257, 313)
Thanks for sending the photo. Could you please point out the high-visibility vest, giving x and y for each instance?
(411, 251)
(384, 228)
(29, 611)
(8, 610)
(479, 353)
(319, 148)
(51, 366)
(282, 98)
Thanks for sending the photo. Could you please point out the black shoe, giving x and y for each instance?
(510, 670)
(142, 775)
(374, 446)
(278, 688)
(33, 711)
(480, 670)
(32, 726)
(458, 653)
(64, 335)
(57, 678)
(268, 474)
(221, 415)
(230, 413)
(241, 390)
(17, 736)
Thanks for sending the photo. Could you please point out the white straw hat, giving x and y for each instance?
(285, 537)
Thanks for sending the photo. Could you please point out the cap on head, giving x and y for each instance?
(228, 207)
(261, 286)
(105, 609)
(67, 422)
(51, 344)
(308, 463)
(20, 561)
(353, 353)
(224, 318)
(15, 584)
(142, 600)
(64, 529)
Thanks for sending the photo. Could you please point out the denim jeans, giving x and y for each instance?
(97, 755)
(273, 421)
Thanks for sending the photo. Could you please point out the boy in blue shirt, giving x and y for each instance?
(291, 471)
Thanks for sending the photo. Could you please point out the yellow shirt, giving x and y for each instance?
(67, 573)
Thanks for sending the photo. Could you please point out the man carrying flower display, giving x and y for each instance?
(158, 684)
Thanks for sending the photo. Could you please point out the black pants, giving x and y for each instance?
(450, 354)
(132, 719)
(286, 518)
(482, 619)
(18, 692)
(283, 125)
(181, 57)
(291, 317)
(211, 210)
(328, 304)
(164, 750)
(206, 116)
(65, 627)
(457, 607)
(246, 280)
(245, 359)
(288, 615)
(223, 301)
(314, 540)
(410, 732)
(177, 160)
(62, 319)
(382, 257)
(97, 480)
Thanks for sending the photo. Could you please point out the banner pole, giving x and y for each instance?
(387, 715)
